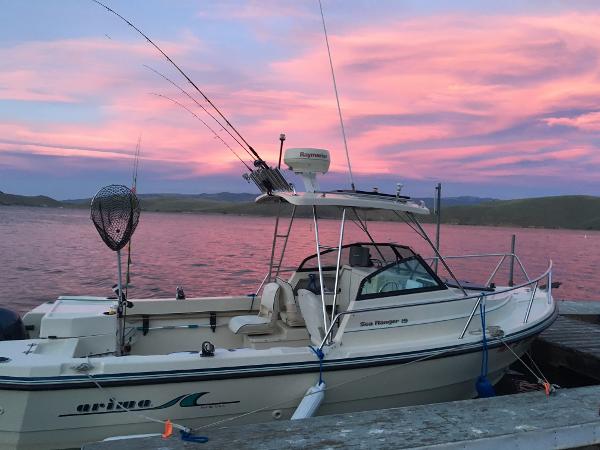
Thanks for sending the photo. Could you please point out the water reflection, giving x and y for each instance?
(45, 253)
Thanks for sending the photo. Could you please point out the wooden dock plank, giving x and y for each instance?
(571, 343)
(570, 307)
(565, 420)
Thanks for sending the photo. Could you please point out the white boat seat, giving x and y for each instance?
(312, 311)
(266, 319)
(290, 315)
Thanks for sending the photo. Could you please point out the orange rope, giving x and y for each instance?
(168, 429)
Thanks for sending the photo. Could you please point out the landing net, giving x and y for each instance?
(115, 211)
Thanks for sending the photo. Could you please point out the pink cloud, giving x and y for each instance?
(584, 122)
(447, 92)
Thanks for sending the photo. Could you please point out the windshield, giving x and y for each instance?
(363, 254)
(407, 276)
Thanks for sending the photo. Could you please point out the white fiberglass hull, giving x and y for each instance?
(61, 417)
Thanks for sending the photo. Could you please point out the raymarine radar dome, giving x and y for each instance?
(307, 162)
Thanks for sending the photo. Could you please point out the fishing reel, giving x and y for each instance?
(122, 297)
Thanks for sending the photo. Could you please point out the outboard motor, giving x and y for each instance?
(11, 326)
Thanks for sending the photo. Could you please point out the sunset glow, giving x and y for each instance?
(490, 102)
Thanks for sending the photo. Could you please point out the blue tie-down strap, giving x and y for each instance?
(483, 385)
(187, 436)
(317, 351)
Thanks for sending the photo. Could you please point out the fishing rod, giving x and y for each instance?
(259, 161)
(201, 106)
(206, 125)
(136, 164)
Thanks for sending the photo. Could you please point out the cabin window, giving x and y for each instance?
(402, 277)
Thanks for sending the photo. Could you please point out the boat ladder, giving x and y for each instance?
(282, 239)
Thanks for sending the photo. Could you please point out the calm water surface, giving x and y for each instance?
(49, 252)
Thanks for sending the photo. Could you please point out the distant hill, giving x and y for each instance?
(219, 197)
(23, 200)
(569, 211)
(188, 198)
(175, 202)
(243, 204)
(575, 212)
(455, 201)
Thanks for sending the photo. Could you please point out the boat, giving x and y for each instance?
(356, 326)
(366, 325)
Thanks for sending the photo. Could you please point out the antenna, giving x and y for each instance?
(337, 98)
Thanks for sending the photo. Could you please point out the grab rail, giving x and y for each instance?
(502, 256)
(480, 296)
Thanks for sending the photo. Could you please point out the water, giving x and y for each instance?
(47, 252)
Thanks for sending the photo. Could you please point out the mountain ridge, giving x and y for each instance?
(567, 211)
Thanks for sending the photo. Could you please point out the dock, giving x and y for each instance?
(572, 343)
(580, 309)
(532, 421)
(569, 418)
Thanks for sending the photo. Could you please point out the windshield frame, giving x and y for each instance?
(375, 245)
(440, 284)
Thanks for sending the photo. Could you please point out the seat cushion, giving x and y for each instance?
(291, 315)
(250, 325)
(312, 311)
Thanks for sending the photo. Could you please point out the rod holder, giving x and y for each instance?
(438, 219)
(511, 269)
(281, 139)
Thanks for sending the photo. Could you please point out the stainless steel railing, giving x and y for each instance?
(502, 257)
(530, 282)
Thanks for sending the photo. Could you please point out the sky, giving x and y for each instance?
(492, 99)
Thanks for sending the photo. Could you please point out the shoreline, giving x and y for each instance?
(216, 212)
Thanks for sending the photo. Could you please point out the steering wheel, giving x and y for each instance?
(376, 262)
(391, 283)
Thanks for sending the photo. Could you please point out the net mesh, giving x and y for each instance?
(115, 211)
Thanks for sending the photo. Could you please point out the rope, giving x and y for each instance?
(483, 385)
(317, 351)
(549, 388)
(337, 97)
(537, 368)
(537, 377)
(484, 358)
(189, 437)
